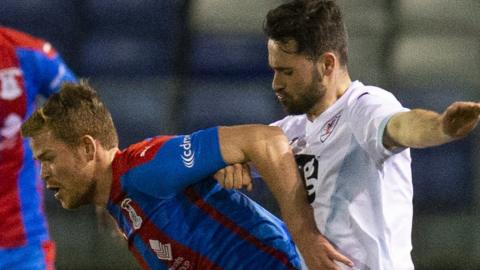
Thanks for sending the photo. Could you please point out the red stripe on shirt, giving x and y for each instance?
(225, 221)
(149, 231)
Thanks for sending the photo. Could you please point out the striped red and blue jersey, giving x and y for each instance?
(29, 67)
(176, 216)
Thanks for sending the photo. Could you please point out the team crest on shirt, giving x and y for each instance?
(134, 218)
(9, 88)
(329, 126)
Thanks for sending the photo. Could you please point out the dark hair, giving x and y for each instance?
(73, 112)
(316, 25)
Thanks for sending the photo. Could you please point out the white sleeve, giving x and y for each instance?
(368, 116)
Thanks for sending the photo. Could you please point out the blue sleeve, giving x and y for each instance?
(180, 162)
(47, 73)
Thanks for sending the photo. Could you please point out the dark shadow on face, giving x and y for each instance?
(303, 100)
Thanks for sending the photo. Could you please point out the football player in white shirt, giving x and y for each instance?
(351, 141)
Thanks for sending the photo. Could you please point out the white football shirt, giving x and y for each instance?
(361, 192)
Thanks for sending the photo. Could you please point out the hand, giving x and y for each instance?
(460, 118)
(235, 176)
(321, 255)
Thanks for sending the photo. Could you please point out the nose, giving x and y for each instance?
(45, 173)
(277, 83)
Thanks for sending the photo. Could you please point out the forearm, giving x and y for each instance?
(299, 217)
(269, 151)
(417, 128)
(275, 162)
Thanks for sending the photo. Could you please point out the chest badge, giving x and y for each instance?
(329, 126)
(134, 218)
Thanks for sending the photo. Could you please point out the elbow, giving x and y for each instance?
(276, 131)
(275, 134)
(269, 138)
(275, 138)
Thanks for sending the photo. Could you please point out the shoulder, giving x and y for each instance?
(290, 122)
(361, 93)
(139, 153)
(23, 40)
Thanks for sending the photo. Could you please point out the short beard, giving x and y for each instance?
(89, 195)
(307, 100)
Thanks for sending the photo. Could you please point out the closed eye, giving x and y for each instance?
(285, 70)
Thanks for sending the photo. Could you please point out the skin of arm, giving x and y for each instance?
(268, 149)
(420, 128)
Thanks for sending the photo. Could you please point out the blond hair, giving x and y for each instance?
(73, 112)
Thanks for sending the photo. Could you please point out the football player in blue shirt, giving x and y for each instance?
(161, 193)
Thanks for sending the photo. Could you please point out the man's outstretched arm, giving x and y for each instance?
(420, 128)
(268, 149)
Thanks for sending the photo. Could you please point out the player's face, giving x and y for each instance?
(64, 170)
(296, 80)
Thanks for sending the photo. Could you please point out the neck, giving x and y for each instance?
(335, 86)
(104, 177)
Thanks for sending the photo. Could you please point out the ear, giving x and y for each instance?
(89, 147)
(327, 63)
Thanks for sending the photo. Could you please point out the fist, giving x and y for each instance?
(460, 118)
(235, 176)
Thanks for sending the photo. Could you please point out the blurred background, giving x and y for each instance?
(173, 66)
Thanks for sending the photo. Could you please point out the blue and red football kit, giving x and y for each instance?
(28, 67)
(175, 216)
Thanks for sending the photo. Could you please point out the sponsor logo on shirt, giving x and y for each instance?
(308, 169)
(134, 218)
(163, 251)
(181, 263)
(9, 88)
(329, 126)
(188, 156)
